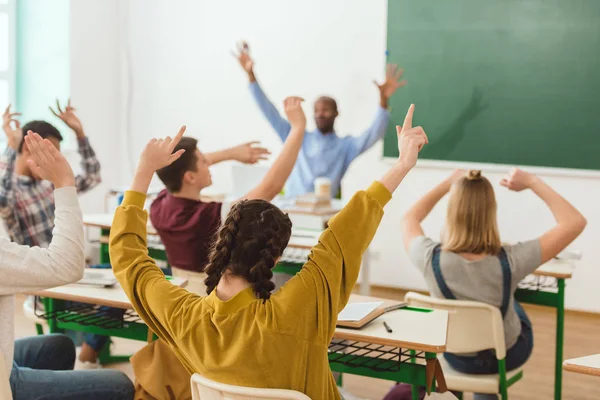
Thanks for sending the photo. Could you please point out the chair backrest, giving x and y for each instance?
(5, 391)
(472, 326)
(205, 389)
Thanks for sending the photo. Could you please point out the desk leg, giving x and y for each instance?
(104, 257)
(365, 285)
(560, 327)
(50, 306)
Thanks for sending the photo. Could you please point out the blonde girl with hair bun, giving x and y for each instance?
(471, 263)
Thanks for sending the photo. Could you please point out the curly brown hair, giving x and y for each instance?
(248, 244)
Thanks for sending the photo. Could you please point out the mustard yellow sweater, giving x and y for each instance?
(281, 343)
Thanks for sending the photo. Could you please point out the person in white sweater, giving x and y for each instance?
(41, 366)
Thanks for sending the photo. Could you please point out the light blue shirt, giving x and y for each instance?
(321, 155)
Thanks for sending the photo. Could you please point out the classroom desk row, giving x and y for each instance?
(408, 354)
(301, 241)
(546, 287)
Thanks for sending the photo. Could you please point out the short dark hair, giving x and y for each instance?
(172, 175)
(42, 128)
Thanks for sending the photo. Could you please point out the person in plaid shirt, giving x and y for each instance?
(27, 201)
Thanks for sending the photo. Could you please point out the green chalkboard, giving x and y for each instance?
(505, 81)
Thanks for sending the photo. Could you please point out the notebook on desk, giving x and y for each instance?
(357, 315)
(97, 278)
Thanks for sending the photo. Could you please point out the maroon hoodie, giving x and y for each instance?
(186, 228)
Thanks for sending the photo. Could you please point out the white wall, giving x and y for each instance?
(182, 73)
(97, 88)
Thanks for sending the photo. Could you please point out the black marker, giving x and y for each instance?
(387, 327)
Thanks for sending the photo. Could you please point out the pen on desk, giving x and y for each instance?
(387, 327)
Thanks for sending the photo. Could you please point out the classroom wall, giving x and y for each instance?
(178, 70)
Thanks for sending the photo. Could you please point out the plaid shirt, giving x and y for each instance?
(27, 204)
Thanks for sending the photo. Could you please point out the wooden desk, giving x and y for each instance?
(415, 330)
(110, 297)
(588, 365)
(408, 354)
(559, 269)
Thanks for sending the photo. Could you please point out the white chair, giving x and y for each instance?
(5, 391)
(29, 312)
(472, 327)
(205, 389)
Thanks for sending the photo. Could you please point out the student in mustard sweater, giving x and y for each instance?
(241, 334)
(471, 263)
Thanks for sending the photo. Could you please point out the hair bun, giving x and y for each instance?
(474, 175)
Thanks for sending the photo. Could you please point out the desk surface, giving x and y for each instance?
(561, 269)
(415, 330)
(104, 221)
(589, 365)
(111, 297)
(301, 238)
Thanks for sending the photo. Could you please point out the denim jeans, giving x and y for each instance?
(43, 370)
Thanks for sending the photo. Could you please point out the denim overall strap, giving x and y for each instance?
(437, 272)
(506, 281)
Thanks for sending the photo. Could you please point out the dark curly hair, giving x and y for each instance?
(252, 238)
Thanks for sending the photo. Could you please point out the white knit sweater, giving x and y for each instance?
(25, 269)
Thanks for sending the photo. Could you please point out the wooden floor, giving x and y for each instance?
(582, 337)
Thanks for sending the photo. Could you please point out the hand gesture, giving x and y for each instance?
(47, 162)
(243, 56)
(410, 140)
(389, 86)
(247, 153)
(293, 110)
(456, 175)
(12, 128)
(158, 153)
(518, 180)
(68, 117)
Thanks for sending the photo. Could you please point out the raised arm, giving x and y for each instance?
(247, 153)
(12, 129)
(162, 305)
(411, 221)
(26, 269)
(569, 221)
(376, 131)
(279, 124)
(323, 286)
(274, 180)
(89, 163)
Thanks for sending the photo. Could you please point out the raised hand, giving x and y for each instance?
(410, 140)
(68, 117)
(243, 57)
(293, 110)
(248, 153)
(518, 180)
(12, 128)
(456, 175)
(158, 153)
(47, 162)
(391, 83)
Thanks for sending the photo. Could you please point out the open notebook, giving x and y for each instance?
(357, 315)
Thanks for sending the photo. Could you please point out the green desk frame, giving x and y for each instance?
(372, 362)
(555, 300)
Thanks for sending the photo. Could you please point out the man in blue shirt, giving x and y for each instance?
(323, 153)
